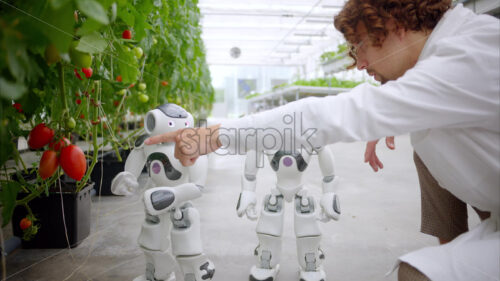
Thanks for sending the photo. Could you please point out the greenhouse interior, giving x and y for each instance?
(86, 85)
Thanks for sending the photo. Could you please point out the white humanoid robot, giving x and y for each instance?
(167, 207)
(289, 168)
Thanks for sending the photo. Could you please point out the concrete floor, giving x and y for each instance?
(379, 222)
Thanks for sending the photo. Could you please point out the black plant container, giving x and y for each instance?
(48, 210)
(109, 169)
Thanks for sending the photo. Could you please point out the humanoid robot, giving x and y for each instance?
(289, 168)
(168, 209)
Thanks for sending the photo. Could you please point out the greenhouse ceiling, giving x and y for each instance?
(268, 32)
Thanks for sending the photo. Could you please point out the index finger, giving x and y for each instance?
(166, 137)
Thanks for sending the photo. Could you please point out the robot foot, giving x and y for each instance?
(264, 274)
(196, 268)
(318, 275)
(171, 277)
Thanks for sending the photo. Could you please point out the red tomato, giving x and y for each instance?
(77, 74)
(87, 71)
(48, 164)
(24, 223)
(73, 162)
(40, 136)
(18, 107)
(119, 78)
(59, 144)
(127, 34)
(164, 83)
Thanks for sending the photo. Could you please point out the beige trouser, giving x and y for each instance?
(407, 272)
(443, 214)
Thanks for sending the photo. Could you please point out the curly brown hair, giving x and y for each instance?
(411, 15)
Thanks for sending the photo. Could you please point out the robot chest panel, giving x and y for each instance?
(164, 168)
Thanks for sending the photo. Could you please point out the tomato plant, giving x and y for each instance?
(40, 136)
(57, 145)
(138, 52)
(18, 107)
(70, 123)
(127, 34)
(143, 98)
(87, 71)
(48, 164)
(73, 161)
(77, 74)
(25, 223)
(79, 58)
(114, 43)
(52, 54)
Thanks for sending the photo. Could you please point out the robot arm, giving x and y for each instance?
(125, 183)
(248, 199)
(198, 172)
(330, 205)
(159, 200)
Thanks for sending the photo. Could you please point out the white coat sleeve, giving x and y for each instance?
(448, 89)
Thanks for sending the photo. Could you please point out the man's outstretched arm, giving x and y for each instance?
(190, 143)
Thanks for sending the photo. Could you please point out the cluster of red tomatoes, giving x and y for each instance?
(60, 152)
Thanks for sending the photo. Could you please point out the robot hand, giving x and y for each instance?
(246, 205)
(330, 207)
(124, 184)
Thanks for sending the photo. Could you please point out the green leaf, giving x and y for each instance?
(127, 65)
(11, 90)
(113, 11)
(92, 43)
(140, 27)
(8, 198)
(56, 4)
(127, 16)
(93, 9)
(16, 57)
(58, 26)
(89, 26)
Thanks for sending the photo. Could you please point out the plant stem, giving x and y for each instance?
(30, 213)
(95, 146)
(62, 92)
(35, 193)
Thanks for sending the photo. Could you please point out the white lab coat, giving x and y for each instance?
(449, 102)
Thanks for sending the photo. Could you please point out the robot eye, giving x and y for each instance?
(187, 124)
(171, 124)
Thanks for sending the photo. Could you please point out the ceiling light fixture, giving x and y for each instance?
(318, 21)
(332, 6)
(288, 51)
(310, 34)
(298, 43)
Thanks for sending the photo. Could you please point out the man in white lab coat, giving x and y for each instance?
(440, 72)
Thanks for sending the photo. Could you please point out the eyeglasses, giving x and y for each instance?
(354, 48)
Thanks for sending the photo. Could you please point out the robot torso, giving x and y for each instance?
(289, 168)
(163, 168)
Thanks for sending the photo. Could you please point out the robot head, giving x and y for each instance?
(167, 118)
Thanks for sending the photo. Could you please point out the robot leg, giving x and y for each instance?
(154, 242)
(187, 246)
(308, 236)
(269, 232)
